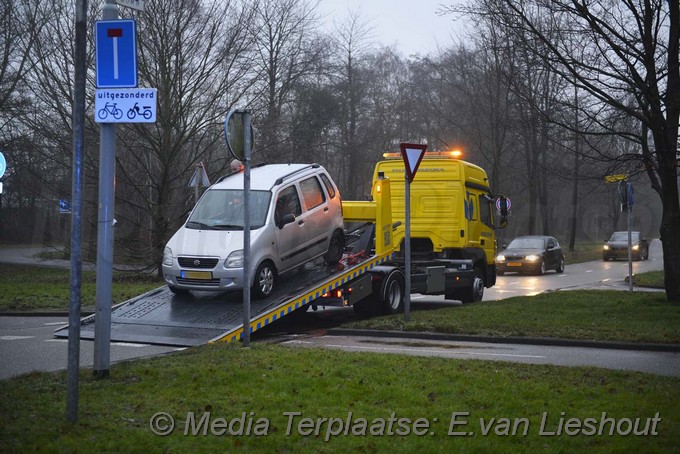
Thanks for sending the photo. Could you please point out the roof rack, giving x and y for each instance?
(283, 178)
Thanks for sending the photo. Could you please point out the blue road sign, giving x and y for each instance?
(3, 164)
(116, 53)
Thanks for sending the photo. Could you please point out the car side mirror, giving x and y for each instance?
(286, 219)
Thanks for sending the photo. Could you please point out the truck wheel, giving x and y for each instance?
(473, 293)
(392, 293)
(264, 280)
(335, 248)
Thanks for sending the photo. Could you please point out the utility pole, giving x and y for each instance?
(73, 361)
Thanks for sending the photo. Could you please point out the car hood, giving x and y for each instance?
(208, 243)
(515, 252)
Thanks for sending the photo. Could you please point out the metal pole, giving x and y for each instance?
(73, 362)
(246, 229)
(107, 167)
(407, 250)
(629, 208)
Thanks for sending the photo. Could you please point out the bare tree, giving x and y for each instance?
(195, 52)
(286, 52)
(630, 66)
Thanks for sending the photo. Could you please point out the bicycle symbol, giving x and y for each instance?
(135, 110)
(110, 108)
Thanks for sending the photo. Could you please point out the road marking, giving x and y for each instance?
(14, 338)
(415, 350)
(57, 340)
(129, 344)
(54, 323)
(589, 271)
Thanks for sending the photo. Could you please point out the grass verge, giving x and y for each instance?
(578, 314)
(228, 384)
(31, 288)
(653, 279)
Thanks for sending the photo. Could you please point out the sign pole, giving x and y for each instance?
(412, 155)
(73, 361)
(407, 249)
(107, 165)
(246, 228)
(629, 209)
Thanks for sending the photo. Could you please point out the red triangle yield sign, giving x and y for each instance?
(412, 153)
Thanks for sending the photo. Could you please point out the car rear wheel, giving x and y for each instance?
(560, 266)
(335, 249)
(264, 280)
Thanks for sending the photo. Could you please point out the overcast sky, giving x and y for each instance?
(413, 25)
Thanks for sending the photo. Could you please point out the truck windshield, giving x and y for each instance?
(222, 209)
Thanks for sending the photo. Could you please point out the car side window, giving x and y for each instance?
(329, 186)
(312, 193)
(287, 202)
(552, 243)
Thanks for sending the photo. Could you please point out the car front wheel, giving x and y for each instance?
(264, 280)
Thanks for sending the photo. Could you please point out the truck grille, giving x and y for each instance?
(204, 263)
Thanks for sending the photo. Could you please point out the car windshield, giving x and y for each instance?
(526, 243)
(222, 209)
(623, 236)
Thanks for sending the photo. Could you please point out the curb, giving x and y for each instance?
(547, 341)
(43, 314)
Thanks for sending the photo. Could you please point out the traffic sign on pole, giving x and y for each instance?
(3, 164)
(116, 53)
(412, 154)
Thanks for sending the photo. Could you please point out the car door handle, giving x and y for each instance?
(301, 222)
(325, 209)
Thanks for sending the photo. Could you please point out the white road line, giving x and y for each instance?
(14, 338)
(57, 340)
(129, 344)
(54, 323)
(589, 271)
(415, 350)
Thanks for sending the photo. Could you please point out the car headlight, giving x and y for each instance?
(531, 258)
(636, 247)
(500, 258)
(606, 247)
(235, 259)
(167, 256)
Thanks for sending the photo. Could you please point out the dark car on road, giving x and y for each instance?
(616, 247)
(531, 254)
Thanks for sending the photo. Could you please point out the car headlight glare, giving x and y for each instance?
(167, 256)
(500, 258)
(235, 259)
(532, 258)
(606, 247)
(636, 247)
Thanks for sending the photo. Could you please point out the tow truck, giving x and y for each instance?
(452, 231)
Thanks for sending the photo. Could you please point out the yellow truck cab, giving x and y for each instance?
(452, 211)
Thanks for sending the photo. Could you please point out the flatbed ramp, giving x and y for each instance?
(161, 317)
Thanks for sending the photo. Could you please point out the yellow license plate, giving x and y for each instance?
(197, 274)
(514, 263)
